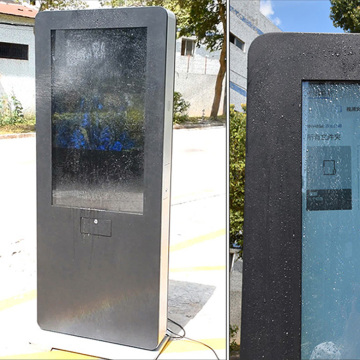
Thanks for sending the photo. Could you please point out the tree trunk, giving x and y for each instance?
(219, 81)
(222, 70)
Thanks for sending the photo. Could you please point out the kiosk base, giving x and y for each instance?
(52, 340)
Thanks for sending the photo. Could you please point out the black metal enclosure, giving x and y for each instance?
(104, 82)
(279, 65)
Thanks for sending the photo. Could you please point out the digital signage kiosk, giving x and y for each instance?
(104, 82)
(301, 292)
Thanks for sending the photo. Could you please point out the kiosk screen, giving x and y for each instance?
(330, 220)
(98, 80)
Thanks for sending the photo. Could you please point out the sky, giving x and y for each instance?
(300, 15)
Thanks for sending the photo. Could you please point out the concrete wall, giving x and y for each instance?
(18, 76)
(195, 78)
(246, 23)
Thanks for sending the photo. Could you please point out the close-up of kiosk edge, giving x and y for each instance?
(300, 278)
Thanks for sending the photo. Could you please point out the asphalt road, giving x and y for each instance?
(197, 293)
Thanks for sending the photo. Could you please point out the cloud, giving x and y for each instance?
(267, 10)
(276, 21)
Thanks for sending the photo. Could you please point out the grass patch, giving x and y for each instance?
(26, 126)
(234, 347)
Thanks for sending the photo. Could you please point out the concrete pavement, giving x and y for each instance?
(197, 293)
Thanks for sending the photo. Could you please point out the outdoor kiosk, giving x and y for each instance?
(301, 289)
(104, 82)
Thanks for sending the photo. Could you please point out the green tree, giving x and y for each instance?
(237, 174)
(206, 19)
(62, 4)
(118, 3)
(346, 14)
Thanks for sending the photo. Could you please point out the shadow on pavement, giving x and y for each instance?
(185, 300)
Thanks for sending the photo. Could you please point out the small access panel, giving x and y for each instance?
(104, 132)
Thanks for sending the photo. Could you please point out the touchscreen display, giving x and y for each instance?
(98, 80)
(330, 220)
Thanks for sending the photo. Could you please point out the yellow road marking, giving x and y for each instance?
(50, 355)
(197, 240)
(198, 268)
(186, 195)
(177, 346)
(30, 295)
(185, 345)
(174, 346)
(16, 300)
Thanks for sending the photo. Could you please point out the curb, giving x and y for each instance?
(17, 136)
(197, 126)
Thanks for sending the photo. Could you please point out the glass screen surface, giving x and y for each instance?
(98, 81)
(330, 221)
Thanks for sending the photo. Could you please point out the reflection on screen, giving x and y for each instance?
(330, 221)
(98, 105)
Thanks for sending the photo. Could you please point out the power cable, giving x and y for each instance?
(175, 336)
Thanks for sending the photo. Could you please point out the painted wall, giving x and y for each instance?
(18, 76)
(195, 78)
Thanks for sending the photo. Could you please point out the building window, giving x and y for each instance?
(14, 51)
(237, 42)
(187, 47)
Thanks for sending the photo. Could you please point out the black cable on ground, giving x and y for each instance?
(208, 346)
(176, 336)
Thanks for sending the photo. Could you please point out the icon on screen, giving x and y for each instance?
(329, 167)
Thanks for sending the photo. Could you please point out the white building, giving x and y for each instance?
(246, 23)
(196, 70)
(195, 73)
(195, 76)
(17, 53)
